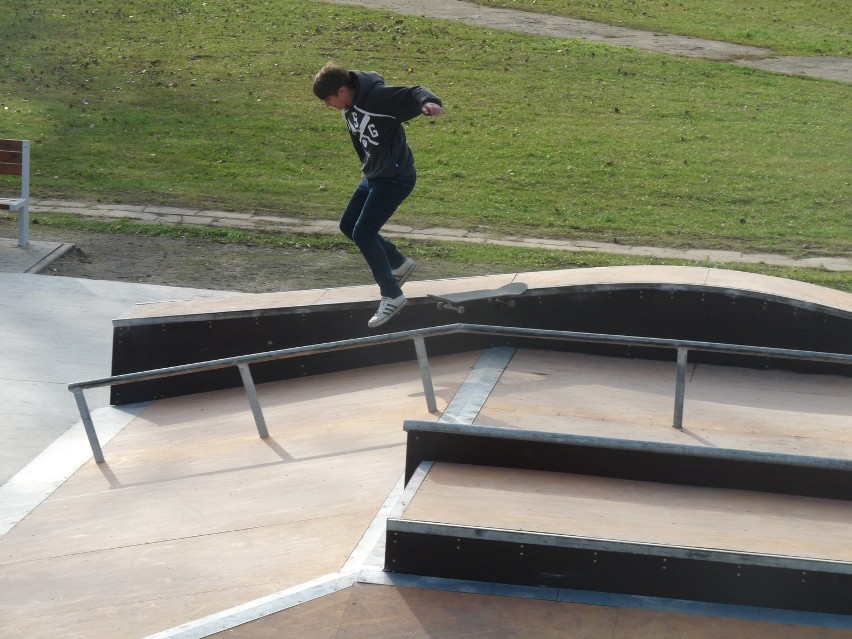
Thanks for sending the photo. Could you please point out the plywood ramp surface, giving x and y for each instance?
(384, 612)
(193, 513)
(631, 511)
(726, 407)
(614, 276)
(259, 302)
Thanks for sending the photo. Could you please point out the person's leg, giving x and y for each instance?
(353, 209)
(350, 218)
(383, 198)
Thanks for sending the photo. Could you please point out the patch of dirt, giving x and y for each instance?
(196, 263)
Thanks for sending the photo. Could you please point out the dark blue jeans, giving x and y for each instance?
(370, 207)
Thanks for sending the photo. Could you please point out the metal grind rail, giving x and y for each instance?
(418, 337)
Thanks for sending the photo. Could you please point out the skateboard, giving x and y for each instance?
(502, 295)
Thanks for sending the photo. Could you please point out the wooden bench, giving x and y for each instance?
(15, 160)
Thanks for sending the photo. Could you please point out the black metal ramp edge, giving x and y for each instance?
(594, 598)
(627, 459)
(558, 561)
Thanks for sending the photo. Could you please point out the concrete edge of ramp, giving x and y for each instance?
(37, 480)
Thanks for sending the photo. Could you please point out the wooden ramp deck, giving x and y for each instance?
(638, 512)
(725, 407)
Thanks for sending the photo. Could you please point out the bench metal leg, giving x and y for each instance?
(24, 226)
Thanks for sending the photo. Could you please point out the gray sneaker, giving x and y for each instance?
(388, 307)
(403, 272)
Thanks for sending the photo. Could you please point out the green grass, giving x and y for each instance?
(500, 258)
(821, 27)
(208, 104)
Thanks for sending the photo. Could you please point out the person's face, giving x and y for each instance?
(339, 100)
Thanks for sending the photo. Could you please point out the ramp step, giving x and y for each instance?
(561, 530)
(627, 459)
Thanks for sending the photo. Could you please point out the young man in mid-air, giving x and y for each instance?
(374, 113)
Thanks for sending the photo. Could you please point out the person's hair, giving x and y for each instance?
(330, 78)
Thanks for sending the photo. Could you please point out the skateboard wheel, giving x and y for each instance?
(461, 309)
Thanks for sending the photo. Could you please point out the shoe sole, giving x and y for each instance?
(373, 324)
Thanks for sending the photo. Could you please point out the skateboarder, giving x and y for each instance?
(374, 113)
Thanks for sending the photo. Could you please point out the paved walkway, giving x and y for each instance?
(10, 256)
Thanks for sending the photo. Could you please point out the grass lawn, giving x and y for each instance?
(820, 27)
(207, 103)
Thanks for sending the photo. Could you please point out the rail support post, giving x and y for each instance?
(254, 402)
(86, 416)
(680, 388)
(425, 374)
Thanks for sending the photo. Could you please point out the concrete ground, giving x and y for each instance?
(55, 331)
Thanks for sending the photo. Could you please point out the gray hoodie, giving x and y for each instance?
(375, 124)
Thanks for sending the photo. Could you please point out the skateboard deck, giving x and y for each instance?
(455, 301)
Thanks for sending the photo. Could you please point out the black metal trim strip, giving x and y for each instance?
(553, 540)
(612, 571)
(595, 598)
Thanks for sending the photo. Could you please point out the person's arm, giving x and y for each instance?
(406, 103)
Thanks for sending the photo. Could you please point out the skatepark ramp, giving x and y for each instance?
(567, 512)
(242, 363)
(683, 303)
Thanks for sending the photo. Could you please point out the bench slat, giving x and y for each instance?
(11, 169)
(11, 145)
(11, 157)
(10, 205)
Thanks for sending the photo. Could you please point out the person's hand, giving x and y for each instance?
(430, 108)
